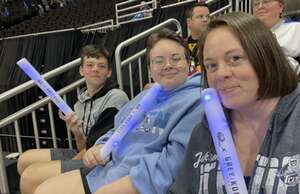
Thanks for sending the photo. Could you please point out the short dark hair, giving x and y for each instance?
(94, 51)
(275, 75)
(189, 12)
(165, 33)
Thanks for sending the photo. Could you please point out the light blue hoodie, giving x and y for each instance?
(152, 153)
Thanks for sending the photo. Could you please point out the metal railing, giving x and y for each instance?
(226, 9)
(3, 178)
(125, 11)
(240, 5)
(102, 29)
(38, 34)
(29, 84)
(243, 6)
(138, 56)
(105, 24)
(13, 119)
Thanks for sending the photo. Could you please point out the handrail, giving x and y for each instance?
(119, 16)
(13, 118)
(136, 38)
(38, 33)
(178, 3)
(138, 19)
(133, 13)
(291, 12)
(64, 68)
(247, 8)
(229, 6)
(29, 84)
(129, 8)
(56, 31)
(133, 57)
(125, 2)
(110, 23)
(3, 177)
(101, 29)
(19, 114)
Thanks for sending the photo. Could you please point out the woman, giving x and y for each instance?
(287, 33)
(261, 100)
(148, 158)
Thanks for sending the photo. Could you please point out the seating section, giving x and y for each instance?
(82, 13)
(13, 12)
(293, 15)
(73, 15)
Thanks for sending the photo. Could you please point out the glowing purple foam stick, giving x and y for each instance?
(44, 85)
(136, 116)
(227, 156)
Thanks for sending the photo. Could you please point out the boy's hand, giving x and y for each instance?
(72, 121)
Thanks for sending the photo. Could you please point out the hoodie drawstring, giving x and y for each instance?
(85, 130)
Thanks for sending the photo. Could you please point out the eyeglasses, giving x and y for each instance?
(263, 2)
(174, 60)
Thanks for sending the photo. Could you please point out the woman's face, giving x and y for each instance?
(168, 64)
(229, 70)
(268, 11)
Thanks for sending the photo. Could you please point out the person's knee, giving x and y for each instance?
(27, 180)
(30, 175)
(42, 188)
(37, 173)
(24, 161)
(69, 182)
(48, 186)
(32, 156)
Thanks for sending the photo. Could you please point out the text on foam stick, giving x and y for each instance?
(220, 132)
(44, 85)
(136, 115)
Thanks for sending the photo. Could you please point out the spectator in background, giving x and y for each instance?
(95, 109)
(28, 5)
(287, 33)
(53, 4)
(41, 6)
(61, 3)
(197, 20)
(6, 12)
(45, 4)
(147, 159)
(144, 11)
(2, 11)
(70, 2)
(41, 9)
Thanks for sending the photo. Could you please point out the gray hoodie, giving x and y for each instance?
(97, 112)
(277, 166)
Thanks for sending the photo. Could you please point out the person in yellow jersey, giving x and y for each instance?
(197, 20)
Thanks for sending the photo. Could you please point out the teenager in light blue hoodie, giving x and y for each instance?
(148, 158)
